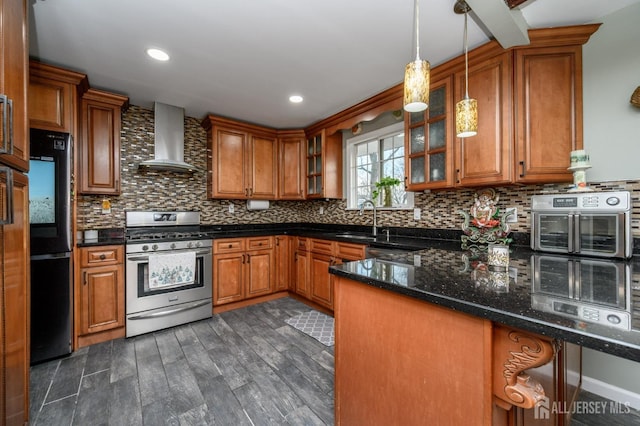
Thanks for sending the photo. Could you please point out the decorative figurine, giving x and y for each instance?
(486, 224)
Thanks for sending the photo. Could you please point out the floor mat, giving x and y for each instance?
(315, 324)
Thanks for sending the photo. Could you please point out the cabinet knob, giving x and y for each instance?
(102, 256)
(230, 245)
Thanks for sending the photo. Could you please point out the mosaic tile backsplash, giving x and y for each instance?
(152, 190)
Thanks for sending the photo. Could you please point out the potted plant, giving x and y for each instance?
(385, 186)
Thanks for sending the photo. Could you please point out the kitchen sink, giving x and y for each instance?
(356, 236)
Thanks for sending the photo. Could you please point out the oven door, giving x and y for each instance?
(602, 234)
(143, 297)
(552, 232)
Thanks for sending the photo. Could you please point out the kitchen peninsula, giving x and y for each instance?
(437, 338)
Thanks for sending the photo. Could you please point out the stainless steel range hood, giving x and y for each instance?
(169, 141)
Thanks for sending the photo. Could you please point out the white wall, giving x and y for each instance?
(611, 72)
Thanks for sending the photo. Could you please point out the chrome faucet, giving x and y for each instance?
(375, 220)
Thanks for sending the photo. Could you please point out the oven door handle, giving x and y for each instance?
(171, 311)
(143, 258)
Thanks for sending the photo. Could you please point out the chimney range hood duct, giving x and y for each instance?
(169, 141)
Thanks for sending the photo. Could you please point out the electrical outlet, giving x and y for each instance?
(513, 215)
(232, 208)
(321, 210)
(416, 214)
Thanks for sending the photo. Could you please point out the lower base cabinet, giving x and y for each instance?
(243, 268)
(102, 293)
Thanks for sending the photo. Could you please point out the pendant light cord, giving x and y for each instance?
(417, 13)
(466, 59)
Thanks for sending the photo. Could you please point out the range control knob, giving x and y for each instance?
(154, 247)
(145, 247)
(198, 244)
(189, 244)
(613, 201)
(173, 246)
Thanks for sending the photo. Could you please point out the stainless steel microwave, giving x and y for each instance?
(591, 224)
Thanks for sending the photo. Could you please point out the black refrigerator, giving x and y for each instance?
(50, 227)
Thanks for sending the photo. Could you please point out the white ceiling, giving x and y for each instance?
(244, 58)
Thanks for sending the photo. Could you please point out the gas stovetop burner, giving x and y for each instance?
(151, 226)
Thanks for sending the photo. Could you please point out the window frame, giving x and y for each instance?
(350, 155)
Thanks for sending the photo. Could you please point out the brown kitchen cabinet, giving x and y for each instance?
(14, 225)
(14, 299)
(101, 294)
(243, 160)
(283, 263)
(324, 165)
(527, 96)
(548, 93)
(429, 145)
(486, 158)
(14, 142)
(53, 97)
(242, 268)
(291, 177)
(99, 145)
(301, 267)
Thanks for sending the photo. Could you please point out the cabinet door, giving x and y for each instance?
(548, 85)
(99, 148)
(487, 158)
(228, 278)
(260, 273)
(263, 163)
(321, 279)
(290, 168)
(13, 84)
(50, 104)
(283, 264)
(229, 158)
(324, 165)
(302, 273)
(429, 145)
(14, 298)
(102, 295)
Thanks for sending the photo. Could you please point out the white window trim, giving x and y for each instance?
(350, 146)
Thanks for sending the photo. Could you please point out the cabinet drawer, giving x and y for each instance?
(228, 245)
(322, 246)
(101, 255)
(348, 251)
(259, 243)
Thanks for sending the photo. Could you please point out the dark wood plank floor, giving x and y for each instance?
(244, 367)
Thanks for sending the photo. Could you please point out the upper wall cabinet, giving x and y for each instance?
(529, 115)
(324, 165)
(14, 139)
(548, 107)
(429, 148)
(53, 97)
(242, 159)
(291, 148)
(99, 146)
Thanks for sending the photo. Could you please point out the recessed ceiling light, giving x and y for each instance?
(296, 99)
(158, 54)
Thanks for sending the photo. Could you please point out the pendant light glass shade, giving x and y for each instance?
(466, 109)
(417, 76)
(467, 118)
(416, 86)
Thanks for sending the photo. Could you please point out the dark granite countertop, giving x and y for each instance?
(446, 275)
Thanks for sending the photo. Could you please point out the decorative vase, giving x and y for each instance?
(387, 197)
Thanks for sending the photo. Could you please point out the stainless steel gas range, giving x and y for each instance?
(168, 270)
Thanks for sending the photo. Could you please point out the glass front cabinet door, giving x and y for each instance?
(429, 143)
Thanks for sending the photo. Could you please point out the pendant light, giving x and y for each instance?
(416, 76)
(466, 109)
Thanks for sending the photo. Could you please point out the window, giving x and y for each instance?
(372, 156)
